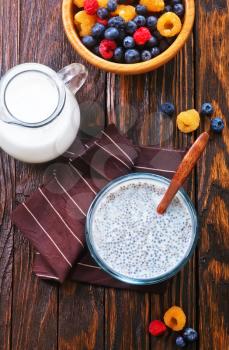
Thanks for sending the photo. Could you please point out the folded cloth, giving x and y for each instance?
(53, 218)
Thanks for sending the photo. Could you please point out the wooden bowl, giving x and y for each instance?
(123, 68)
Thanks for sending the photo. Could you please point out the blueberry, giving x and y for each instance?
(207, 109)
(140, 21)
(190, 335)
(95, 50)
(151, 22)
(132, 56)
(89, 41)
(180, 342)
(174, 2)
(178, 9)
(102, 13)
(122, 35)
(146, 55)
(163, 45)
(128, 42)
(155, 51)
(131, 26)
(98, 30)
(168, 8)
(118, 54)
(111, 33)
(158, 35)
(152, 42)
(168, 108)
(141, 10)
(112, 5)
(117, 22)
(217, 124)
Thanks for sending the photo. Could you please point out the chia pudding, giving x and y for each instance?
(132, 239)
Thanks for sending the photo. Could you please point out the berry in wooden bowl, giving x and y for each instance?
(128, 37)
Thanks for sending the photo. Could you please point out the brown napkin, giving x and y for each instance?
(54, 216)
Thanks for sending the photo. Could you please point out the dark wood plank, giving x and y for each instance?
(34, 315)
(177, 82)
(7, 183)
(133, 104)
(35, 303)
(81, 306)
(8, 57)
(81, 317)
(212, 77)
(127, 312)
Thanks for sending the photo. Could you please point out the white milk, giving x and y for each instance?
(37, 97)
(31, 97)
(135, 241)
(37, 145)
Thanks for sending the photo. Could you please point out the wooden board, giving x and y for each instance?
(34, 313)
(136, 111)
(43, 316)
(7, 186)
(82, 306)
(212, 76)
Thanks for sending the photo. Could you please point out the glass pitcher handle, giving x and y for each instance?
(74, 76)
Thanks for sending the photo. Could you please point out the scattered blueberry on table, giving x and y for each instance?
(139, 29)
(207, 109)
(180, 342)
(168, 108)
(217, 124)
(190, 335)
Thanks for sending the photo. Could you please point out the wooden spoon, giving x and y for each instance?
(183, 171)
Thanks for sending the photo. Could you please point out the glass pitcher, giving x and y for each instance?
(39, 114)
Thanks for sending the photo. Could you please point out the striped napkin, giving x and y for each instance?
(53, 218)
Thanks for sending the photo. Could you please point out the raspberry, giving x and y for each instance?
(153, 6)
(102, 21)
(188, 121)
(127, 12)
(142, 35)
(175, 318)
(106, 48)
(157, 327)
(84, 23)
(169, 24)
(91, 6)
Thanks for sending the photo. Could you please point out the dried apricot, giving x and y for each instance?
(169, 24)
(153, 5)
(102, 3)
(188, 121)
(79, 3)
(175, 318)
(84, 22)
(127, 12)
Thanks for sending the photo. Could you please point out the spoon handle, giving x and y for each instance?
(183, 171)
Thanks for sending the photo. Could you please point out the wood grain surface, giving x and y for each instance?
(212, 76)
(36, 315)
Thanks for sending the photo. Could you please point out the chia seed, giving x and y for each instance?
(133, 239)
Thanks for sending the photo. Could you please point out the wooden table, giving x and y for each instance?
(36, 315)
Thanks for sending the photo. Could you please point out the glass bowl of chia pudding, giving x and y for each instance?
(132, 242)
